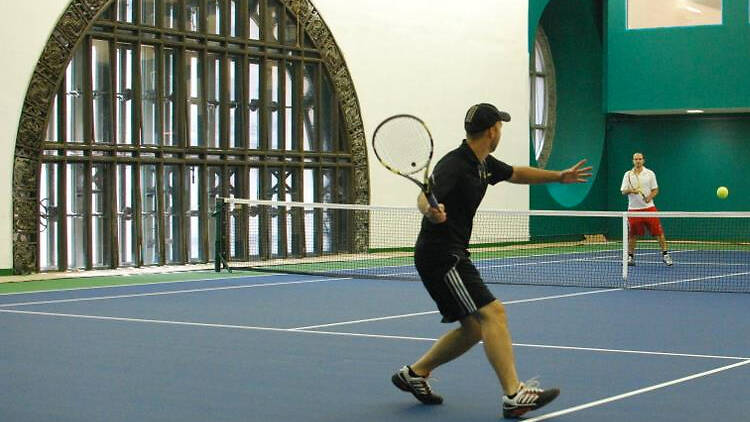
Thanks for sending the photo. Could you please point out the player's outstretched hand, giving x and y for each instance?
(576, 174)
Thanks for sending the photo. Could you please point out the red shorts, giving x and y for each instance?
(637, 225)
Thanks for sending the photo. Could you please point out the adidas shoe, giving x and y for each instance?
(631, 261)
(529, 397)
(667, 259)
(418, 386)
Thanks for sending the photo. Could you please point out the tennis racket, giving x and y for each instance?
(637, 182)
(403, 145)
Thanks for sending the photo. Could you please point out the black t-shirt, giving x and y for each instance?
(459, 181)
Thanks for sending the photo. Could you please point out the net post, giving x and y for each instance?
(219, 255)
(625, 247)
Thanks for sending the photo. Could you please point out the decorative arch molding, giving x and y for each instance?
(49, 71)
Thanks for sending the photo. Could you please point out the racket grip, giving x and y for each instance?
(431, 199)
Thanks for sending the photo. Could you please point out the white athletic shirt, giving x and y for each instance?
(646, 179)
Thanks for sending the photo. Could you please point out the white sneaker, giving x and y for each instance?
(667, 259)
(529, 397)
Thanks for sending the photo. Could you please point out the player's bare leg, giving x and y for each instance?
(664, 251)
(632, 240)
(451, 345)
(454, 343)
(519, 397)
(498, 346)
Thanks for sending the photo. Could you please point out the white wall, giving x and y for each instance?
(432, 58)
(25, 27)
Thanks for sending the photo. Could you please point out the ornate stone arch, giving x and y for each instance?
(48, 74)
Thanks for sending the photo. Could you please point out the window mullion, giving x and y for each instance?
(224, 99)
(88, 207)
(88, 95)
(203, 10)
(265, 134)
(110, 211)
(181, 16)
(203, 185)
(113, 74)
(62, 240)
(181, 96)
(137, 12)
(203, 138)
(184, 206)
(137, 230)
(263, 21)
(297, 132)
(224, 15)
(88, 130)
(318, 81)
(159, 92)
(338, 146)
(244, 101)
(137, 94)
(281, 104)
(160, 218)
(62, 111)
(243, 29)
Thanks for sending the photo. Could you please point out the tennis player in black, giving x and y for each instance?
(459, 182)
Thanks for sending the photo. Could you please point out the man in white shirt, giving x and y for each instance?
(639, 184)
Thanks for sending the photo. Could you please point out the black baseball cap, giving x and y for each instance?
(483, 116)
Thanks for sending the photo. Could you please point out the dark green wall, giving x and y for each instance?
(700, 67)
(691, 156)
(573, 28)
(536, 8)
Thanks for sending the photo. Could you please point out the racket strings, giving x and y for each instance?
(404, 144)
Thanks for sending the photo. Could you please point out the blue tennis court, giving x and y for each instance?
(290, 347)
(693, 270)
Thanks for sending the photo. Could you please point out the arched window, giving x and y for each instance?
(167, 105)
(543, 100)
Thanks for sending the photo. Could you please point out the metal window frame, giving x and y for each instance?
(78, 24)
(548, 73)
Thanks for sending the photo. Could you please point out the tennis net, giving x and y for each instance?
(710, 251)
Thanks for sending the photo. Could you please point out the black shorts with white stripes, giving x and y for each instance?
(453, 283)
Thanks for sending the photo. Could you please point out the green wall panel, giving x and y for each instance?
(573, 29)
(678, 68)
(691, 157)
(536, 8)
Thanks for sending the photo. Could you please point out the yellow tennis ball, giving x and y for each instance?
(722, 192)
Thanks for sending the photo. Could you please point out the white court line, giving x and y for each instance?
(632, 352)
(142, 320)
(636, 392)
(171, 292)
(358, 321)
(664, 283)
(111, 286)
(557, 261)
(343, 334)
(206, 289)
(479, 261)
(510, 302)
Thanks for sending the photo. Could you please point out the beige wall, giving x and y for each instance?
(431, 58)
(25, 27)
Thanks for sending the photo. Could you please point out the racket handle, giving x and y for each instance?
(431, 199)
